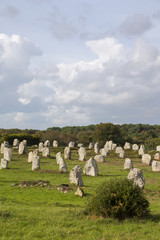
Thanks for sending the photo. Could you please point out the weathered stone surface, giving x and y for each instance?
(122, 154)
(91, 145)
(46, 152)
(30, 156)
(127, 145)
(35, 162)
(136, 175)
(40, 147)
(7, 154)
(2, 148)
(135, 147)
(55, 143)
(119, 150)
(114, 145)
(82, 153)
(91, 167)
(110, 143)
(15, 142)
(80, 145)
(141, 150)
(147, 159)
(157, 156)
(128, 164)
(58, 156)
(158, 148)
(67, 153)
(22, 148)
(4, 164)
(99, 158)
(96, 147)
(47, 143)
(71, 144)
(79, 192)
(75, 176)
(62, 165)
(155, 166)
(104, 151)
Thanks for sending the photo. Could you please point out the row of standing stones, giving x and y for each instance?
(91, 166)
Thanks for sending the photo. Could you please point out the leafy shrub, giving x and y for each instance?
(118, 198)
(31, 139)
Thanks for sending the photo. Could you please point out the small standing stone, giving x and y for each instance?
(147, 159)
(58, 156)
(122, 154)
(7, 154)
(75, 176)
(91, 167)
(55, 143)
(40, 147)
(157, 156)
(104, 151)
(136, 175)
(82, 154)
(127, 145)
(62, 165)
(4, 164)
(30, 156)
(135, 147)
(156, 166)
(96, 147)
(141, 150)
(35, 162)
(79, 192)
(47, 143)
(128, 164)
(71, 144)
(67, 153)
(91, 145)
(46, 152)
(99, 158)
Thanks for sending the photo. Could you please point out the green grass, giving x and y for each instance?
(34, 213)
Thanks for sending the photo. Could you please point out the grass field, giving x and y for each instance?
(33, 213)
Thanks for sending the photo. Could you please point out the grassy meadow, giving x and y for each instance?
(32, 213)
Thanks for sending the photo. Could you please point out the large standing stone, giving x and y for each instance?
(58, 156)
(91, 167)
(147, 159)
(127, 145)
(96, 147)
(55, 143)
(67, 153)
(128, 164)
(15, 142)
(82, 154)
(22, 148)
(141, 150)
(30, 156)
(40, 147)
(135, 147)
(62, 165)
(157, 156)
(91, 145)
(4, 164)
(99, 158)
(47, 143)
(104, 151)
(35, 162)
(46, 152)
(71, 144)
(155, 166)
(136, 175)
(7, 154)
(75, 176)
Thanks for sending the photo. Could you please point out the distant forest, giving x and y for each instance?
(149, 135)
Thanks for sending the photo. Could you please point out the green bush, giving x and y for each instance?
(118, 198)
(31, 139)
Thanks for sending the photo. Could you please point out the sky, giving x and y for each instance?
(79, 62)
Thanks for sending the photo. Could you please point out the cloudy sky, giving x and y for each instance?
(79, 62)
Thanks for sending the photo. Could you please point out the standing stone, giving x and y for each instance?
(22, 148)
(47, 143)
(2, 148)
(106, 145)
(30, 156)
(58, 156)
(141, 150)
(91, 167)
(155, 166)
(119, 150)
(91, 145)
(96, 147)
(71, 144)
(99, 158)
(157, 156)
(7, 154)
(82, 154)
(75, 176)
(136, 175)
(3, 145)
(114, 145)
(147, 159)
(25, 143)
(79, 192)
(127, 145)
(40, 147)
(104, 151)
(110, 143)
(15, 143)
(80, 145)
(135, 147)
(55, 143)
(4, 164)
(158, 148)
(62, 165)
(122, 154)
(128, 164)
(46, 152)
(67, 153)
(35, 162)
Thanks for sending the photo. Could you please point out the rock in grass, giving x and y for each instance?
(99, 158)
(4, 164)
(82, 153)
(91, 167)
(35, 163)
(62, 165)
(45, 152)
(128, 164)
(79, 192)
(7, 154)
(147, 159)
(75, 176)
(136, 175)
(156, 166)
